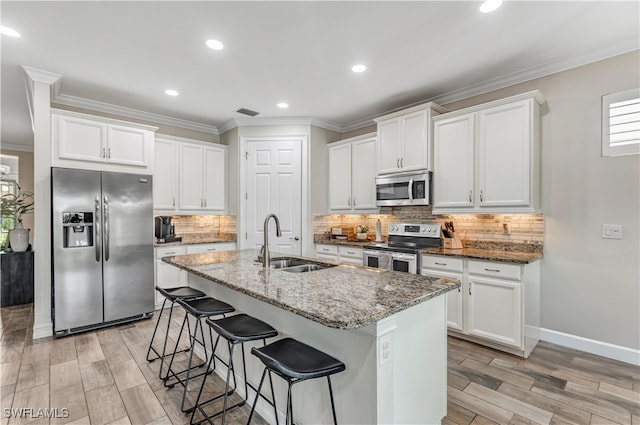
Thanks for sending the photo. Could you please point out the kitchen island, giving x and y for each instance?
(389, 328)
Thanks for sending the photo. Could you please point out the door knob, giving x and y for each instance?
(295, 238)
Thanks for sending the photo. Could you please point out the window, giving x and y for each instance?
(621, 123)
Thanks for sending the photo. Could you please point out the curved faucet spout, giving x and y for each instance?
(266, 257)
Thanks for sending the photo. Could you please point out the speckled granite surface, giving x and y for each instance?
(200, 238)
(343, 297)
(485, 254)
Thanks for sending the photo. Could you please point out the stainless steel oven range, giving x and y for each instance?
(401, 252)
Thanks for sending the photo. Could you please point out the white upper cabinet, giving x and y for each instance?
(165, 175)
(487, 157)
(404, 139)
(91, 142)
(352, 173)
(202, 177)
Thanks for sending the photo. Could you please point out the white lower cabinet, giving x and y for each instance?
(498, 304)
(168, 276)
(340, 253)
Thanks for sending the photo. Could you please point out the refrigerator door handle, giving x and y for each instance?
(97, 228)
(106, 228)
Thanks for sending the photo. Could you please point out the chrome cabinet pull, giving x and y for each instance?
(349, 201)
(492, 270)
(354, 201)
(397, 162)
(481, 196)
(97, 229)
(469, 290)
(174, 201)
(104, 153)
(401, 162)
(109, 153)
(459, 289)
(441, 264)
(169, 252)
(470, 195)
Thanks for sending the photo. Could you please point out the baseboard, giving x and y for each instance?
(604, 349)
(43, 330)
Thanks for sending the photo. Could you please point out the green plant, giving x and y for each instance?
(15, 206)
(363, 228)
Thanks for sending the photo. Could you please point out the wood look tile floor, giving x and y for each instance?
(102, 377)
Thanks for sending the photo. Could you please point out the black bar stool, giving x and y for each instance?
(199, 308)
(296, 362)
(236, 329)
(172, 295)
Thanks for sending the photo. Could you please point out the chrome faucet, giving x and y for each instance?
(265, 256)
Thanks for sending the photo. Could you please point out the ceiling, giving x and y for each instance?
(125, 54)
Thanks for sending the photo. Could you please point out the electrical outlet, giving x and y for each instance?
(384, 351)
(612, 231)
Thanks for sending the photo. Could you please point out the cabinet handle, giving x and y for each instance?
(104, 153)
(401, 162)
(441, 264)
(205, 202)
(169, 252)
(397, 162)
(469, 290)
(349, 201)
(354, 201)
(492, 270)
(470, 195)
(174, 201)
(325, 249)
(201, 202)
(350, 252)
(109, 153)
(481, 196)
(210, 249)
(459, 289)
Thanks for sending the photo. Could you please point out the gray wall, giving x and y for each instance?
(590, 285)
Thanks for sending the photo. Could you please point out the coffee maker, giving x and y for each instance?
(165, 232)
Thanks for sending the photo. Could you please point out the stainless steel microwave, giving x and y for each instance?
(398, 189)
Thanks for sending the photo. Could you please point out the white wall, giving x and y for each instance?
(590, 285)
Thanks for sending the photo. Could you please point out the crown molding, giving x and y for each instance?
(19, 148)
(41, 76)
(108, 108)
(272, 121)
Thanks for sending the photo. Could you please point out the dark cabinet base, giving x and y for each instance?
(16, 278)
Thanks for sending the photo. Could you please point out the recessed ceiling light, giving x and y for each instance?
(215, 44)
(171, 92)
(283, 105)
(490, 5)
(359, 68)
(8, 31)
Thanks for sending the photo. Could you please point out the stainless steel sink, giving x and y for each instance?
(296, 265)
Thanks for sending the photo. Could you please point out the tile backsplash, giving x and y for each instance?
(471, 228)
(214, 225)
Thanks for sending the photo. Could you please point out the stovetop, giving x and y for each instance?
(409, 238)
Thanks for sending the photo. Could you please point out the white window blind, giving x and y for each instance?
(621, 123)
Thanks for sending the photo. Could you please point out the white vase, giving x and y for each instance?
(19, 238)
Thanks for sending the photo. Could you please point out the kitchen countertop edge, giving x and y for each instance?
(513, 257)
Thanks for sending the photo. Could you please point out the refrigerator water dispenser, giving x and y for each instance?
(77, 229)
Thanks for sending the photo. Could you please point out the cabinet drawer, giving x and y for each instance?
(442, 263)
(499, 270)
(327, 249)
(170, 250)
(211, 247)
(350, 252)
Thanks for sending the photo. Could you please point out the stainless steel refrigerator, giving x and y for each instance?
(102, 248)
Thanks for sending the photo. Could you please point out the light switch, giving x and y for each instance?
(612, 231)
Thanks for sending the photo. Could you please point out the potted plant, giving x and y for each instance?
(361, 231)
(12, 208)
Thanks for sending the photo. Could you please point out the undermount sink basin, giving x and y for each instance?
(296, 265)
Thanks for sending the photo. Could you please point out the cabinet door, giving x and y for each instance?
(454, 299)
(340, 177)
(165, 175)
(495, 310)
(215, 178)
(191, 177)
(504, 155)
(414, 146)
(128, 146)
(453, 173)
(80, 139)
(168, 276)
(363, 174)
(387, 146)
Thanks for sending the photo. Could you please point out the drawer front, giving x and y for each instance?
(327, 249)
(350, 252)
(498, 270)
(442, 263)
(211, 247)
(169, 251)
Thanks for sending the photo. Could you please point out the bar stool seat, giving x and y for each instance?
(296, 362)
(172, 295)
(206, 307)
(236, 329)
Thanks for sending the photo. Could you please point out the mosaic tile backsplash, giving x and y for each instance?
(489, 231)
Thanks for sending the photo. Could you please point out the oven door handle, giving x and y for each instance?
(400, 256)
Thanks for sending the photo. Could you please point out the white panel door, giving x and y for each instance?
(191, 177)
(504, 149)
(340, 177)
(128, 146)
(274, 186)
(414, 145)
(215, 175)
(453, 169)
(363, 174)
(81, 139)
(165, 175)
(388, 139)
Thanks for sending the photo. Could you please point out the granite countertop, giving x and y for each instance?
(486, 254)
(198, 238)
(342, 297)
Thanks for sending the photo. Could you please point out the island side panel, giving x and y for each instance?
(354, 389)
